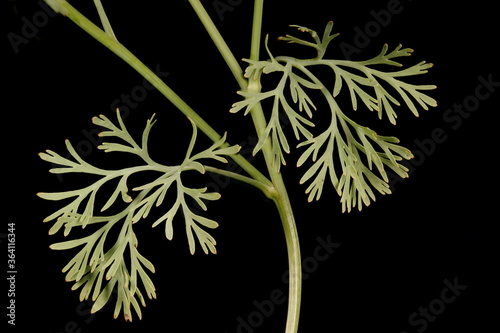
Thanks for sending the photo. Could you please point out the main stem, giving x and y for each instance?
(284, 206)
(281, 198)
(279, 194)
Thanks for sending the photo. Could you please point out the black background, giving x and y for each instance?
(393, 256)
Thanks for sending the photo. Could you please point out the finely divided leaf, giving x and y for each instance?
(101, 267)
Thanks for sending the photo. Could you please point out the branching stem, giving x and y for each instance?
(63, 7)
(277, 192)
(275, 188)
(281, 198)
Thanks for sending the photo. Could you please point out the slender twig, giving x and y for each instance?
(266, 189)
(219, 42)
(104, 19)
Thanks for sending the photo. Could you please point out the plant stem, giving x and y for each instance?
(258, 13)
(278, 192)
(284, 206)
(219, 42)
(280, 198)
(64, 8)
(257, 113)
(266, 189)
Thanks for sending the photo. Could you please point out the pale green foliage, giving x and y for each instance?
(353, 157)
(95, 263)
(345, 152)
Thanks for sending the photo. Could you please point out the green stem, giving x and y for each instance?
(277, 191)
(284, 206)
(280, 198)
(258, 11)
(64, 8)
(253, 86)
(219, 42)
(121, 51)
(104, 19)
(266, 189)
